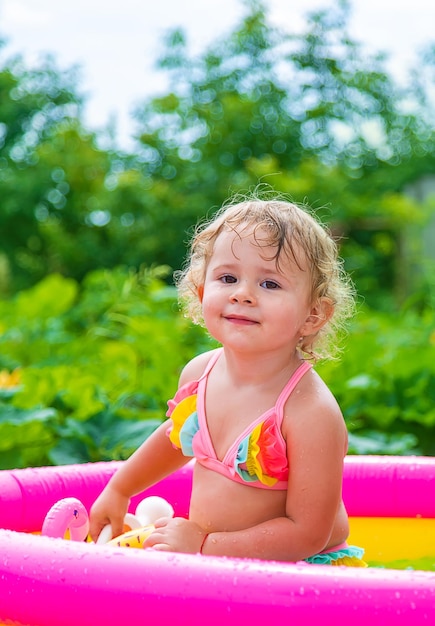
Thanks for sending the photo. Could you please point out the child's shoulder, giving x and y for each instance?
(313, 398)
(194, 369)
(314, 409)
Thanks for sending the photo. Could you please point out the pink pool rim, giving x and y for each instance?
(53, 582)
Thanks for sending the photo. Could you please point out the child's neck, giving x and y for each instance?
(253, 368)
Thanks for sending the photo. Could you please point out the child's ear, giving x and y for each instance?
(201, 292)
(321, 312)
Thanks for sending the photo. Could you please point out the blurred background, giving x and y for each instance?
(115, 50)
(120, 129)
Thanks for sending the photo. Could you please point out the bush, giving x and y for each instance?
(87, 370)
(385, 383)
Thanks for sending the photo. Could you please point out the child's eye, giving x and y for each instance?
(227, 279)
(270, 284)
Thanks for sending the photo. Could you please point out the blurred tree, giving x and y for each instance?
(46, 161)
(310, 114)
(59, 211)
(32, 104)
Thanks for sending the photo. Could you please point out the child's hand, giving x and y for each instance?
(109, 508)
(176, 535)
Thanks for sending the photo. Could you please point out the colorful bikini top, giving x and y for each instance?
(258, 457)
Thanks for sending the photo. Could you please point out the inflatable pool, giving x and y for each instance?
(54, 582)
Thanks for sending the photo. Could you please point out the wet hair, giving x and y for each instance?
(293, 231)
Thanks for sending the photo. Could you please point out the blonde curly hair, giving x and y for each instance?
(290, 229)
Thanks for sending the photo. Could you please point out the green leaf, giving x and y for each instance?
(51, 297)
(25, 436)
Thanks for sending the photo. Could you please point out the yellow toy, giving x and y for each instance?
(132, 538)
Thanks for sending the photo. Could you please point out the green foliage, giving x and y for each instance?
(312, 114)
(34, 106)
(385, 383)
(24, 434)
(90, 350)
(86, 370)
(92, 365)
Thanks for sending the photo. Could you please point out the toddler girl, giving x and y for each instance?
(267, 434)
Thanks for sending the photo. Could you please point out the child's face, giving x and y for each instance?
(250, 303)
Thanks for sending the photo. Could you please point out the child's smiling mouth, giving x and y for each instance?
(241, 320)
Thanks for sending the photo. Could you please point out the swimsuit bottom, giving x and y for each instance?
(339, 555)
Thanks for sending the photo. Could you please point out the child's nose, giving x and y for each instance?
(242, 293)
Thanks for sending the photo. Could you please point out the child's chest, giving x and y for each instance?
(230, 415)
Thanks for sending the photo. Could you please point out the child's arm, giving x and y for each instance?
(152, 461)
(155, 459)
